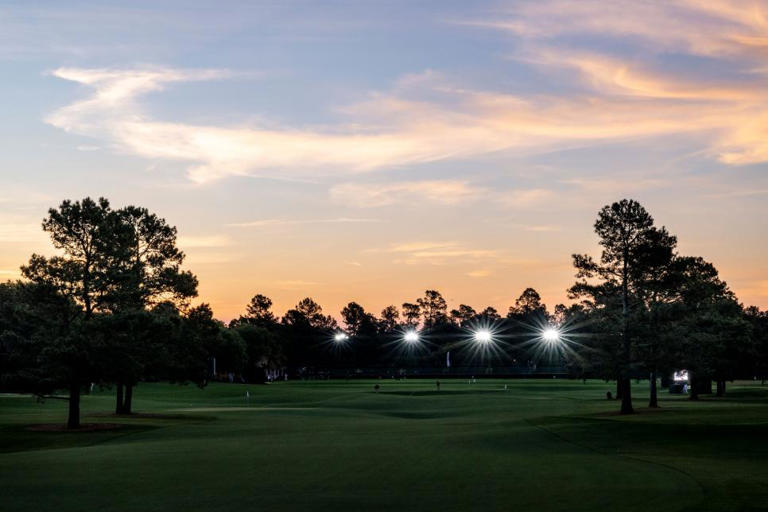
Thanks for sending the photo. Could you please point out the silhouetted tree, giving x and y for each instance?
(309, 311)
(263, 351)
(489, 315)
(528, 305)
(627, 236)
(712, 331)
(433, 309)
(259, 311)
(411, 313)
(463, 315)
(356, 319)
(362, 326)
(85, 273)
(307, 329)
(185, 345)
(390, 319)
(759, 322)
(225, 349)
(523, 322)
(150, 274)
(37, 351)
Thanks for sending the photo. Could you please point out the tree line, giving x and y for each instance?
(113, 308)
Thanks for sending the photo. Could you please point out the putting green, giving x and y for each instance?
(336, 445)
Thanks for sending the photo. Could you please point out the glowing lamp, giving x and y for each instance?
(483, 336)
(550, 335)
(411, 336)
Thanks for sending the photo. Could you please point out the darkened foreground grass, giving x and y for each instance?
(540, 445)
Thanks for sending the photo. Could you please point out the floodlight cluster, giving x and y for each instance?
(411, 336)
(483, 336)
(550, 335)
(481, 340)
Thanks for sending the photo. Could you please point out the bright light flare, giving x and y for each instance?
(550, 335)
(483, 336)
(340, 337)
(411, 336)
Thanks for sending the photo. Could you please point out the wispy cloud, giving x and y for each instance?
(621, 77)
(701, 27)
(424, 117)
(214, 258)
(21, 232)
(524, 197)
(295, 284)
(438, 253)
(420, 246)
(19, 197)
(606, 186)
(187, 242)
(542, 228)
(371, 195)
(261, 223)
(739, 192)
(412, 132)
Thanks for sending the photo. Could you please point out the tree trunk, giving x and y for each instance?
(693, 387)
(128, 399)
(626, 397)
(626, 392)
(654, 401)
(619, 387)
(73, 420)
(721, 388)
(120, 404)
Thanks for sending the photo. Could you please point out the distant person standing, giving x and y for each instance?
(437, 383)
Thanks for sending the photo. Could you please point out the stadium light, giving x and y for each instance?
(411, 336)
(550, 335)
(483, 336)
(340, 337)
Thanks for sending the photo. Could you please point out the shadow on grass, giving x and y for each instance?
(420, 415)
(732, 433)
(46, 436)
(20, 438)
(435, 393)
(154, 416)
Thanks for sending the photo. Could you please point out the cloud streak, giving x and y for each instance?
(203, 242)
(439, 253)
(265, 223)
(425, 118)
(701, 27)
(373, 195)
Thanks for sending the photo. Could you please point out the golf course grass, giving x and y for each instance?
(537, 445)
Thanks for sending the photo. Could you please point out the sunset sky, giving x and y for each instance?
(368, 151)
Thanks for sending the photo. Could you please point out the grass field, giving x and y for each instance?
(336, 445)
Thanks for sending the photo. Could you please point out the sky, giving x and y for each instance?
(366, 151)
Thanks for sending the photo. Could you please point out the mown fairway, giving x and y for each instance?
(540, 445)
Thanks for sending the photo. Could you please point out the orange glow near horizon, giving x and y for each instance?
(467, 150)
